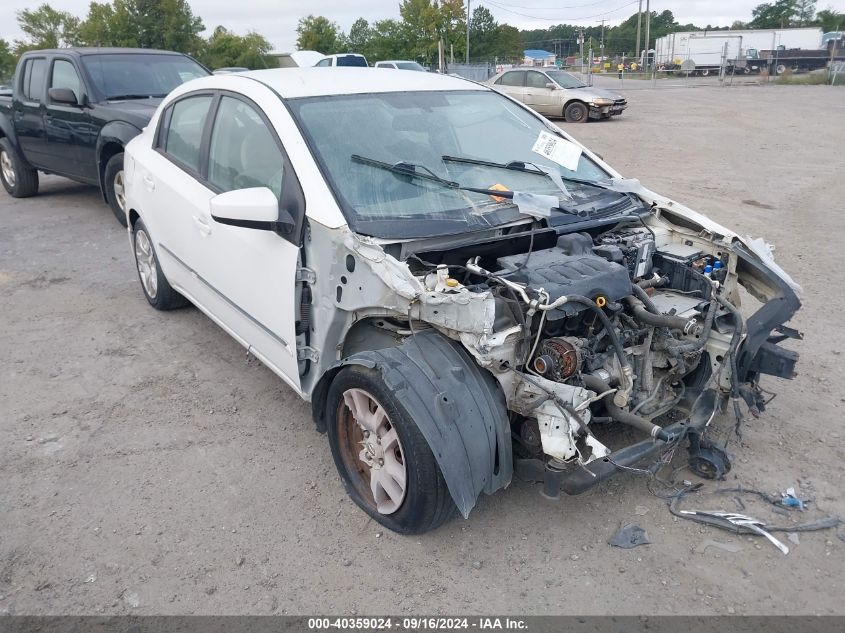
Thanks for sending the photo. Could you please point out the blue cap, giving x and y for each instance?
(717, 265)
(708, 269)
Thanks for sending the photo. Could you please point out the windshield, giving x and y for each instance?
(566, 80)
(409, 66)
(140, 75)
(421, 128)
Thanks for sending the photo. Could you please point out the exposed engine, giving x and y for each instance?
(599, 328)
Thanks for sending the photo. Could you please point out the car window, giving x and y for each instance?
(65, 76)
(536, 80)
(324, 62)
(513, 78)
(183, 136)
(351, 60)
(33, 79)
(243, 150)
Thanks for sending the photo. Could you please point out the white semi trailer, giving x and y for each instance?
(705, 51)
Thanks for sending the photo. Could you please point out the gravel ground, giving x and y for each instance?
(150, 467)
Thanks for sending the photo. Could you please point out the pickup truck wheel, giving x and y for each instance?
(385, 463)
(159, 293)
(576, 113)
(115, 187)
(19, 179)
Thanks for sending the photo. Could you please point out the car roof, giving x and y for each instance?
(292, 83)
(397, 61)
(103, 51)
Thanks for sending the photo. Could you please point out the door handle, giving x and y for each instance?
(149, 183)
(204, 227)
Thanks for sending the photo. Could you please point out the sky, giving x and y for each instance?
(276, 19)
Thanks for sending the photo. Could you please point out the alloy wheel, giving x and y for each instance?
(7, 168)
(147, 268)
(371, 451)
(120, 190)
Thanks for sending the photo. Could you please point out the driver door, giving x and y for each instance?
(538, 95)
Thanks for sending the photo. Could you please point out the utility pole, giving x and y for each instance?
(581, 47)
(647, 29)
(602, 43)
(468, 1)
(639, 22)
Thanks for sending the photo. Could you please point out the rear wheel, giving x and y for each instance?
(116, 187)
(158, 291)
(385, 463)
(576, 113)
(19, 179)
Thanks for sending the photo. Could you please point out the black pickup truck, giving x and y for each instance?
(73, 110)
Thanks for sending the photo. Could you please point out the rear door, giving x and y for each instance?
(173, 194)
(29, 110)
(538, 95)
(512, 83)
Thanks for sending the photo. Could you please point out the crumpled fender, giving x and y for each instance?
(457, 406)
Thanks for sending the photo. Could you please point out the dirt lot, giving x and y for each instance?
(148, 466)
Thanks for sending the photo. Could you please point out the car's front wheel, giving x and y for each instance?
(576, 113)
(158, 291)
(19, 179)
(115, 185)
(383, 459)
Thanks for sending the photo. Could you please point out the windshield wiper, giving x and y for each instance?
(518, 165)
(404, 168)
(410, 170)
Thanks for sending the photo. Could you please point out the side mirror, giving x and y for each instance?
(552, 86)
(254, 208)
(63, 95)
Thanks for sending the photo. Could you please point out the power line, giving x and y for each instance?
(537, 17)
(557, 8)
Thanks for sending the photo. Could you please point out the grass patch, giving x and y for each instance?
(806, 79)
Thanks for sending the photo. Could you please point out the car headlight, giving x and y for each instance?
(602, 102)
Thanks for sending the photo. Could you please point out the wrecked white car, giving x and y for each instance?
(460, 289)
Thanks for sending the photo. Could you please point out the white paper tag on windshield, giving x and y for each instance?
(558, 150)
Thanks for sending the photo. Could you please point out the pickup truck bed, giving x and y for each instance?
(72, 111)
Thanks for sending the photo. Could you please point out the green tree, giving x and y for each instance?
(225, 48)
(317, 33)
(483, 31)
(165, 24)
(45, 27)
(388, 41)
(426, 22)
(830, 20)
(775, 15)
(805, 10)
(8, 60)
(359, 36)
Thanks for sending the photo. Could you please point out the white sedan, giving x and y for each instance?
(460, 289)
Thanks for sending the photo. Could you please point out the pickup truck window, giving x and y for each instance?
(65, 76)
(185, 124)
(33, 79)
(140, 75)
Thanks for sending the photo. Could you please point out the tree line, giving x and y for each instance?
(162, 24)
(422, 24)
